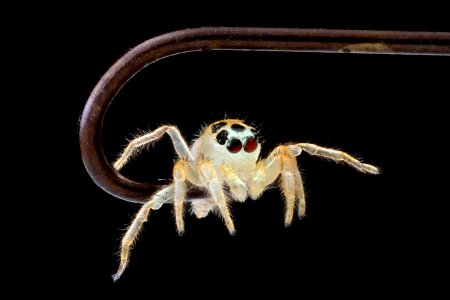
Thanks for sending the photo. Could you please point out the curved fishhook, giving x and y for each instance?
(225, 38)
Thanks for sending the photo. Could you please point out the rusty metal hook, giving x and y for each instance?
(226, 38)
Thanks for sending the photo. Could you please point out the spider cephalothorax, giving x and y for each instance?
(225, 156)
(230, 142)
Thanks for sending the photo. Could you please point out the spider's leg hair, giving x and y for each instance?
(335, 155)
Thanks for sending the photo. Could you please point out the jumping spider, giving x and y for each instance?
(225, 155)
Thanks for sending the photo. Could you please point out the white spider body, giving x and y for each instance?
(224, 162)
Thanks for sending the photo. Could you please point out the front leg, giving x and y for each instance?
(212, 182)
(281, 161)
(179, 144)
(300, 193)
(291, 183)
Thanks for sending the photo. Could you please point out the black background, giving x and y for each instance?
(363, 234)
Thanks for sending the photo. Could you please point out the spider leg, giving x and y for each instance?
(288, 184)
(161, 197)
(237, 187)
(215, 188)
(130, 236)
(179, 194)
(179, 144)
(334, 155)
(281, 161)
(300, 193)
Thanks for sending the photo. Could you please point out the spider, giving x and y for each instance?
(224, 163)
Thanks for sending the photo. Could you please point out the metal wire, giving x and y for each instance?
(225, 38)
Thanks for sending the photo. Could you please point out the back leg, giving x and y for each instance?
(130, 236)
(161, 197)
(179, 194)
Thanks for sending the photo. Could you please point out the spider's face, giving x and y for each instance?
(232, 140)
(235, 136)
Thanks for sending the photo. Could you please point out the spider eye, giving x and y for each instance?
(222, 137)
(216, 127)
(234, 145)
(251, 144)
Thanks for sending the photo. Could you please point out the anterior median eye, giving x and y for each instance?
(251, 144)
(234, 145)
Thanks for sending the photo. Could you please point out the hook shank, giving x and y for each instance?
(226, 38)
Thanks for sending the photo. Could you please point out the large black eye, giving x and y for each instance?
(251, 144)
(237, 127)
(222, 137)
(234, 145)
